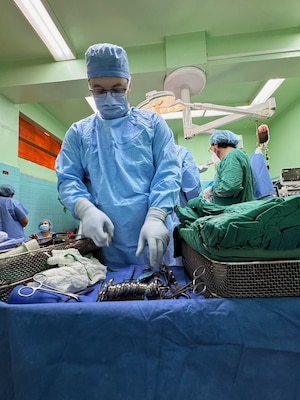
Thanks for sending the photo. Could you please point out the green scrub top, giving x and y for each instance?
(233, 181)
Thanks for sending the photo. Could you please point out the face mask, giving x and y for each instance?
(214, 158)
(112, 107)
(44, 228)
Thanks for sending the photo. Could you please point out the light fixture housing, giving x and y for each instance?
(163, 102)
(42, 23)
(188, 81)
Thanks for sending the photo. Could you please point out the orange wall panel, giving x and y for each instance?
(37, 146)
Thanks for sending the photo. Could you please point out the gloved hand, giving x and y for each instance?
(95, 224)
(208, 194)
(155, 233)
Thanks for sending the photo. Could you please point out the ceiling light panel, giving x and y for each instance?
(266, 92)
(40, 20)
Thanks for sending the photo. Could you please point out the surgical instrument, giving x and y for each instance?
(81, 292)
(129, 291)
(171, 282)
(38, 284)
(197, 281)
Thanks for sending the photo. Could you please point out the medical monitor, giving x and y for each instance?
(290, 176)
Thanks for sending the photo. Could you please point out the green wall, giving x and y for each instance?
(9, 122)
(284, 146)
(35, 185)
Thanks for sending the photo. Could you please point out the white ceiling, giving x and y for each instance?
(239, 44)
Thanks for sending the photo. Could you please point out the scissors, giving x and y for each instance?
(27, 291)
(172, 284)
(199, 287)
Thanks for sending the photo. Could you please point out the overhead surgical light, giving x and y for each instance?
(189, 81)
(161, 103)
(40, 20)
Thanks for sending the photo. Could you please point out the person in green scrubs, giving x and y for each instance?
(233, 182)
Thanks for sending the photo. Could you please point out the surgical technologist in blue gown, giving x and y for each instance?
(117, 169)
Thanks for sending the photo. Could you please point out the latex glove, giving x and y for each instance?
(95, 224)
(208, 194)
(155, 233)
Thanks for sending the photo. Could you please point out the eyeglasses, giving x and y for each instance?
(115, 92)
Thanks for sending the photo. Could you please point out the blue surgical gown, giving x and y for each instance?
(11, 212)
(43, 239)
(123, 166)
(263, 185)
(190, 177)
(190, 188)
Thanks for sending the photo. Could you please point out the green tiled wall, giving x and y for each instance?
(40, 197)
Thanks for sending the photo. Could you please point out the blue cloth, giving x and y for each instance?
(10, 243)
(11, 212)
(229, 349)
(263, 185)
(124, 167)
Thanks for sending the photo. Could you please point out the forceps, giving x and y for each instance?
(27, 291)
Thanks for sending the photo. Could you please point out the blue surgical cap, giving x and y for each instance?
(45, 219)
(105, 59)
(6, 190)
(224, 137)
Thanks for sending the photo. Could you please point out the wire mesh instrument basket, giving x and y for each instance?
(19, 269)
(243, 279)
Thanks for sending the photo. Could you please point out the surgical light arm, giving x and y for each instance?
(185, 82)
(260, 111)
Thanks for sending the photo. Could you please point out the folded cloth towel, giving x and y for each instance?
(75, 272)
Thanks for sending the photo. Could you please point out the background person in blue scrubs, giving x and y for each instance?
(13, 215)
(45, 231)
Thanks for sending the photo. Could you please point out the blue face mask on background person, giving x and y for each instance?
(111, 107)
(44, 227)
